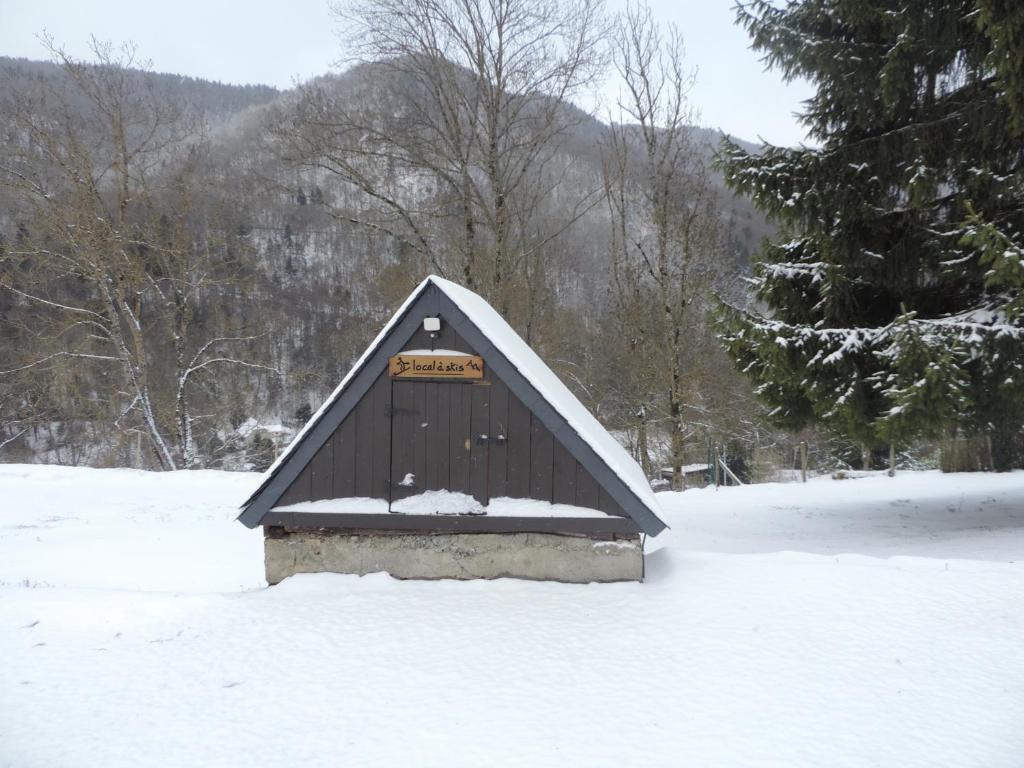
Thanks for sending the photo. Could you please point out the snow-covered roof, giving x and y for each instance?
(530, 366)
(550, 387)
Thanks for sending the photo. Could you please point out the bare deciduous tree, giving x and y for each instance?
(112, 267)
(476, 95)
(667, 242)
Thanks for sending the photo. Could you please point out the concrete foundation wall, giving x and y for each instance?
(546, 556)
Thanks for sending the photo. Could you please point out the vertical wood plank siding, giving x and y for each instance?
(497, 470)
(541, 460)
(403, 443)
(322, 472)
(299, 490)
(431, 443)
(365, 432)
(519, 457)
(587, 494)
(459, 442)
(419, 425)
(563, 477)
(344, 481)
(480, 425)
(444, 460)
(518, 469)
(380, 446)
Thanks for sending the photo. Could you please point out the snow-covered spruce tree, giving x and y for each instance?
(894, 294)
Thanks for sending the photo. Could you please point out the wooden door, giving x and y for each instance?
(439, 437)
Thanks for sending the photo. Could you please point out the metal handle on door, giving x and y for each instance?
(484, 439)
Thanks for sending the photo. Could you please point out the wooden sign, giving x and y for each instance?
(424, 366)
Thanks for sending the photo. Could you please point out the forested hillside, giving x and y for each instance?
(188, 267)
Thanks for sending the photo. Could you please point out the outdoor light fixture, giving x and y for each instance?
(432, 325)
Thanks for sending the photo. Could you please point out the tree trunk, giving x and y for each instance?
(1005, 446)
(676, 427)
(642, 448)
(469, 233)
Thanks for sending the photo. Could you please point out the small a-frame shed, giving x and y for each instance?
(451, 450)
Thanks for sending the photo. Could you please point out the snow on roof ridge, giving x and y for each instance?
(529, 365)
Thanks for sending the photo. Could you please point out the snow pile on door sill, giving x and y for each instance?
(442, 503)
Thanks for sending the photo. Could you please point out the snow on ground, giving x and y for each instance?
(126, 529)
(867, 622)
(978, 516)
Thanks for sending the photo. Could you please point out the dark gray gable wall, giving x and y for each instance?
(433, 301)
(267, 495)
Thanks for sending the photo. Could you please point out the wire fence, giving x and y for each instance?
(732, 463)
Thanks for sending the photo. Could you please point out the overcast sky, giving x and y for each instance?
(277, 43)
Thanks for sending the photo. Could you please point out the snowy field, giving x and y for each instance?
(866, 622)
